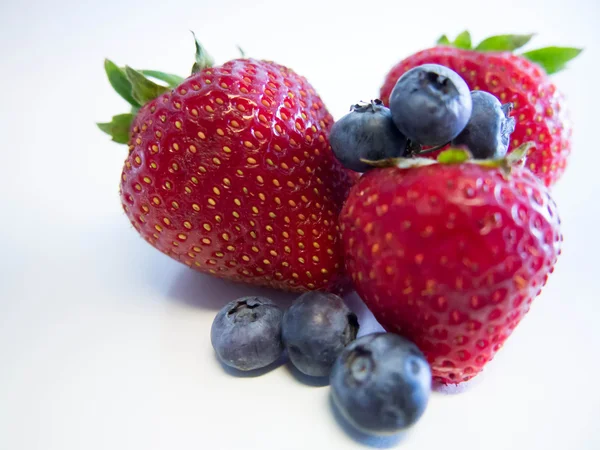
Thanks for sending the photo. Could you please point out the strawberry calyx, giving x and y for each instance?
(138, 87)
(551, 59)
(457, 155)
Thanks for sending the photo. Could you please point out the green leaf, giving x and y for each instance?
(454, 156)
(118, 128)
(119, 82)
(203, 59)
(242, 52)
(463, 40)
(443, 40)
(552, 59)
(143, 89)
(518, 155)
(504, 42)
(169, 78)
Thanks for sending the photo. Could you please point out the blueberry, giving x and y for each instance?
(381, 383)
(246, 333)
(488, 131)
(315, 329)
(430, 104)
(366, 132)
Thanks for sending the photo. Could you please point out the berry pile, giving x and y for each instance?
(379, 382)
(448, 235)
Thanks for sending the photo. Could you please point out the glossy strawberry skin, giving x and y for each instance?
(231, 173)
(450, 256)
(539, 111)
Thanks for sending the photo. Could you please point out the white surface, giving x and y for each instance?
(104, 342)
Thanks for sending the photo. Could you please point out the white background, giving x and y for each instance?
(104, 342)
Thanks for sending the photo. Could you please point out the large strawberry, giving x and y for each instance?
(521, 79)
(450, 254)
(230, 172)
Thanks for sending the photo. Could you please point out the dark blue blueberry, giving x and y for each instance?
(366, 132)
(430, 104)
(488, 131)
(246, 333)
(315, 329)
(381, 383)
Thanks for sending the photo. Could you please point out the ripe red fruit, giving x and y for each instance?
(450, 256)
(231, 173)
(540, 112)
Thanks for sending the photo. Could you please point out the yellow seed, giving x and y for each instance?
(235, 214)
(211, 202)
(187, 224)
(182, 236)
(217, 161)
(260, 179)
(216, 191)
(255, 249)
(207, 227)
(248, 144)
(201, 135)
(237, 201)
(262, 196)
(226, 149)
(251, 160)
(272, 215)
(301, 260)
(206, 241)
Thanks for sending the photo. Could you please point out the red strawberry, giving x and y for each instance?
(450, 255)
(522, 79)
(231, 173)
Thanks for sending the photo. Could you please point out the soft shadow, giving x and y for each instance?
(203, 291)
(361, 437)
(367, 322)
(455, 389)
(307, 379)
(252, 373)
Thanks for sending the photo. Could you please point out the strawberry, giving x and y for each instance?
(230, 172)
(539, 108)
(450, 254)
